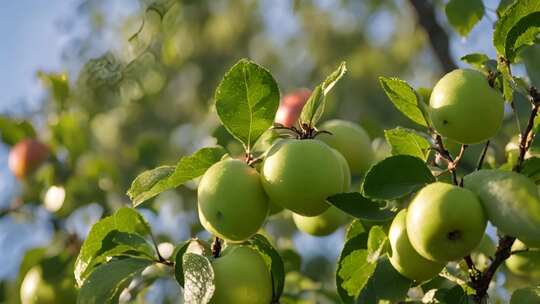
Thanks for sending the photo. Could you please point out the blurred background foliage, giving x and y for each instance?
(135, 91)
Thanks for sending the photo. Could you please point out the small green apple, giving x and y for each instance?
(511, 201)
(527, 263)
(463, 107)
(241, 276)
(301, 174)
(351, 141)
(232, 203)
(445, 222)
(26, 156)
(404, 257)
(323, 224)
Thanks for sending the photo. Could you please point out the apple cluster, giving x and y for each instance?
(445, 222)
(236, 197)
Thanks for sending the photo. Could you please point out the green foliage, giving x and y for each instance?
(273, 261)
(405, 99)
(107, 281)
(517, 27)
(395, 177)
(198, 279)
(358, 206)
(407, 142)
(13, 130)
(463, 15)
(151, 183)
(314, 107)
(110, 237)
(246, 101)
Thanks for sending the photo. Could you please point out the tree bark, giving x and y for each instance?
(438, 38)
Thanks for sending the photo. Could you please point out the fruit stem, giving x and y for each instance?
(482, 156)
(216, 247)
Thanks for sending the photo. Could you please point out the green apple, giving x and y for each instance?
(404, 257)
(323, 224)
(241, 276)
(464, 108)
(300, 174)
(232, 203)
(36, 290)
(526, 295)
(345, 169)
(275, 209)
(26, 156)
(445, 222)
(527, 263)
(511, 201)
(351, 141)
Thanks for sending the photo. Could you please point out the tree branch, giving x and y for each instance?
(438, 38)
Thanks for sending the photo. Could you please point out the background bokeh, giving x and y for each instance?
(115, 89)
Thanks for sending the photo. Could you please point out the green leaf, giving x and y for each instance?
(455, 294)
(477, 60)
(463, 15)
(58, 84)
(97, 241)
(246, 101)
(353, 268)
(314, 107)
(199, 279)
(386, 285)
(14, 130)
(531, 168)
(273, 261)
(356, 205)
(354, 229)
(396, 176)
(377, 241)
(404, 99)
(526, 295)
(151, 183)
(509, 28)
(106, 283)
(178, 255)
(524, 33)
(407, 142)
(531, 59)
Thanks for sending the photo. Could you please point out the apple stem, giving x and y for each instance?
(216, 247)
(482, 156)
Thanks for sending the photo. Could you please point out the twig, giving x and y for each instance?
(216, 247)
(527, 136)
(438, 38)
(480, 162)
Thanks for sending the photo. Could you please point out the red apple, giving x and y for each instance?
(291, 106)
(26, 156)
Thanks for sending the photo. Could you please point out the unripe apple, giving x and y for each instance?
(323, 224)
(351, 141)
(36, 290)
(445, 222)
(241, 276)
(511, 201)
(345, 169)
(464, 108)
(404, 257)
(26, 156)
(232, 202)
(291, 107)
(526, 263)
(301, 174)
